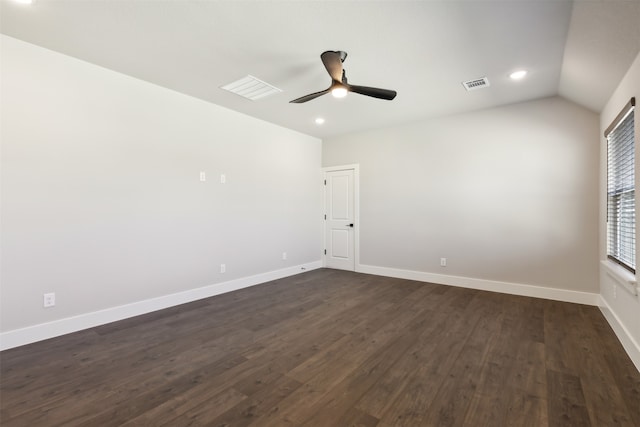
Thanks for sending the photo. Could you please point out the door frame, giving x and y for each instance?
(356, 211)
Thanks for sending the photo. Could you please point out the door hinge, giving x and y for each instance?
(325, 217)
(325, 182)
(325, 251)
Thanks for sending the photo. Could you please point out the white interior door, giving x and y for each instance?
(340, 219)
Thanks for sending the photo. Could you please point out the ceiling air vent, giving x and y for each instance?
(476, 83)
(251, 88)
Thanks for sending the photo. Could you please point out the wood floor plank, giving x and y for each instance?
(329, 369)
(604, 399)
(263, 401)
(567, 406)
(422, 355)
(336, 348)
(514, 370)
(330, 409)
(559, 352)
(623, 370)
(527, 403)
(357, 418)
(180, 409)
(202, 414)
(438, 353)
(453, 398)
(87, 407)
(143, 369)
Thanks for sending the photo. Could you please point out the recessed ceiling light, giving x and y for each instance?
(319, 121)
(24, 1)
(518, 75)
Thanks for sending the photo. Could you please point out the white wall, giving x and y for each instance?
(620, 306)
(101, 198)
(507, 195)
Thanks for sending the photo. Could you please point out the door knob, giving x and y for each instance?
(350, 225)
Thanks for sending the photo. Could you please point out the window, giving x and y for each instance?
(621, 195)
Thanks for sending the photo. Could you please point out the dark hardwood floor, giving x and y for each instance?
(332, 348)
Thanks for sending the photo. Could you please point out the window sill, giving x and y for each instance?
(621, 275)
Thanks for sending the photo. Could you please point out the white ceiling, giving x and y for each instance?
(421, 49)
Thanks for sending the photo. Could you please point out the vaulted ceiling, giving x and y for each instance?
(422, 49)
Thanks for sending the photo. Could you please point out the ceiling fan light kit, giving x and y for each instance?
(339, 91)
(339, 88)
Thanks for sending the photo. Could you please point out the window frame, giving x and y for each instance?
(626, 111)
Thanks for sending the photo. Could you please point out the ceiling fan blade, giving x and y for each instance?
(332, 61)
(374, 92)
(310, 96)
(333, 64)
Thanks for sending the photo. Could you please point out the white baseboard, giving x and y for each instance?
(631, 346)
(555, 294)
(43, 331)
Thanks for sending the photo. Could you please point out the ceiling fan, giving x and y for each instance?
(332, 61)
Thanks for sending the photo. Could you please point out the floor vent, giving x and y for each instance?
(251, 88)
(476, 83)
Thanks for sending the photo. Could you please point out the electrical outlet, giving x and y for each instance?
(443, 262)
(284, 255)
(223, 178)
(203, 176)
(49, 300)
(223, 268)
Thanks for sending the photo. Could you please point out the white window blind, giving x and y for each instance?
(621, 204)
